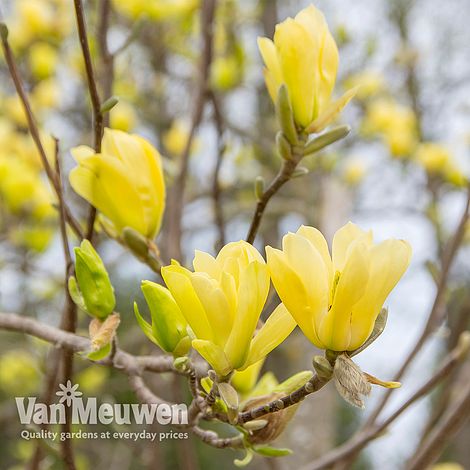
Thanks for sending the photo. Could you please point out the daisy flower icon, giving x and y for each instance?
(68, 393)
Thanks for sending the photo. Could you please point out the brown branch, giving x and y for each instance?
(98, 122)
(437, 311)
(216, 189)
(313, 385)
(359, 441)
(449, 425)
(211, 438)
(32, 125)
(284, 175)
(176, 201)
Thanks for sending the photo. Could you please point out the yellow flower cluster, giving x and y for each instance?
(25, 196)
(395, 123)
(437, 160)
(162, 10)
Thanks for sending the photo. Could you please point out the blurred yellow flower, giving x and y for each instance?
(18, 375)
(394, 122)
(123, 117)
(159, 10)
(14, 110)
(437, 160)
(368, 83)
(447, 466)
(125, 182)
(175, 138)
(336, 300)
(354, 171)
(304, 57)
(46, 94)
(222, 301)
(42, 60)
(226, 72)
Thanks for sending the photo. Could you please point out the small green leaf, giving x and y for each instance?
(100, 354)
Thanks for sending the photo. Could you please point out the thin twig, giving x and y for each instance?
(98, 122)
(313, 385)
(176, 201)
(284, 175)
(216, 188)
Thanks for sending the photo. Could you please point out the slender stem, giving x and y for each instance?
(98, 121)
(216, 188)
(284, 175)
(176, 202)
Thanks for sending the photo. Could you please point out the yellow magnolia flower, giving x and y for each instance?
(123, 117)
(304, 57)
(394, 122)
(124, 182)
(222, 301)
(336, 300)
(437, 160)
(354, 171)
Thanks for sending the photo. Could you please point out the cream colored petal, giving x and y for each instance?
(214, 355)
(298, 58)
(178, 282)
(335, 329)
(277, 328)
(388, 262)
(293, 294)
(252, 294)
(342, 241)
(215, 305)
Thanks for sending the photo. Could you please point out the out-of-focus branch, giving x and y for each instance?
(216, 188)
(32, 126)
(437, 311)
(98, 120)
(176, 201)
(359, 441)
(451, 422)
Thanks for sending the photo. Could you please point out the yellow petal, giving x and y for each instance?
(314, 22)
(252, 293)
(215, 305)
(388, 262)
(103, 182)
(178, 282)
(214, 355)
(342, 241)
(316, 238)
(273, 74)
(204, 262)
(277, 328)
(81, 152)
(298, 58)
(293, 294)
(335, 329)
(330, 112)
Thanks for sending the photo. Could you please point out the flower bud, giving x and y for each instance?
(168, 328)
(328, 138)
(283, 146)
(94, 292)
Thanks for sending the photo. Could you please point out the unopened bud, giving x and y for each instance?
(94, 286)
(259, 187)
(255, 425)
(3, 31)
(283, 146)
(322, 367)
(109, 104)
(101, 334)
(300, 171)
(136, 242)
(328, 138)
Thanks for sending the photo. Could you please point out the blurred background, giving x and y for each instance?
(402, 172)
